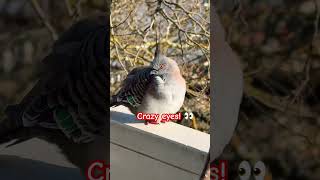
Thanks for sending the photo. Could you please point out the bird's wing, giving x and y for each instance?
(72, 89)
(84, 44)
(134, 87)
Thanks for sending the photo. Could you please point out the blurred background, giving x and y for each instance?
(183, 32)
(28, 29)
(277, 41)
(278, 44)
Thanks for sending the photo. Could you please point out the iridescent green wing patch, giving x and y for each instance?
(68, 126)
(65, 121)
(132, 101)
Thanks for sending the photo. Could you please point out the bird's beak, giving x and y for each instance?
(154, 72)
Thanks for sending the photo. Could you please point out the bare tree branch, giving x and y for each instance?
(44, 19)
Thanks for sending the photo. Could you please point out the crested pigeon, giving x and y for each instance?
(158, 88)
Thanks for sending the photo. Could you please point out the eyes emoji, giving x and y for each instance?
(259, 170)
(244, 170)
(188, 115)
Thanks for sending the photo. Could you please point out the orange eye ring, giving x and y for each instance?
(162, 66)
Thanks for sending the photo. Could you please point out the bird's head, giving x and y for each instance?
(162, 65)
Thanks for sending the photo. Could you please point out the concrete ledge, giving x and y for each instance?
(36, 159)
(138, 151)
(165, 151)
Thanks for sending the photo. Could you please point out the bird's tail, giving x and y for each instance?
(114, 101)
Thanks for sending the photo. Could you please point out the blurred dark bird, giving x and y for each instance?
(69, 100)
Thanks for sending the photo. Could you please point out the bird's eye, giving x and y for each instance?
(190, 115)
(259, 170)
(186, 115)
(244, 170)
(162, 66)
